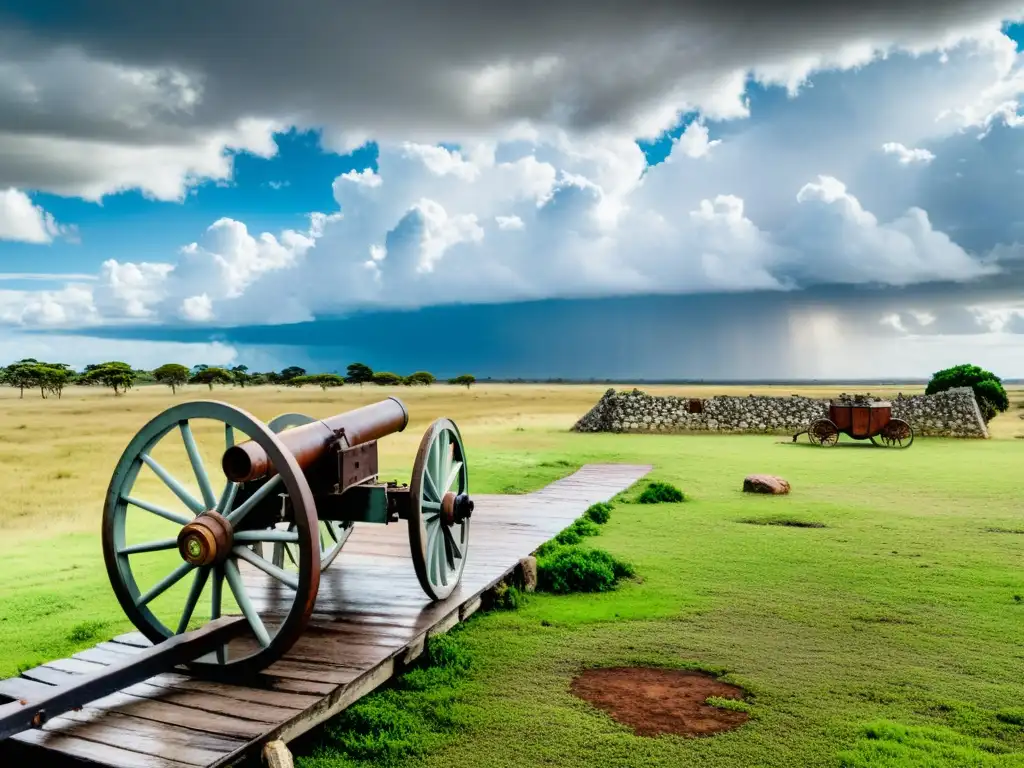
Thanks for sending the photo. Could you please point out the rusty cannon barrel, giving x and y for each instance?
(308, 443)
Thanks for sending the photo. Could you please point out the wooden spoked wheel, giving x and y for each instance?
(896, 434)
(206, 539)
(333, 534)
(439, 510)
(823, 432)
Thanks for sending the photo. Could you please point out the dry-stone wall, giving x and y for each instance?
(953, 413)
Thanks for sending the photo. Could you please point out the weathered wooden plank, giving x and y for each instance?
(371, 619)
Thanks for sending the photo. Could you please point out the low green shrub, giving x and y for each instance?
(417, 715)
(573, 569)
(508, 597)
(599, 513)
(661, 493)
(578, 531)
(735, 705)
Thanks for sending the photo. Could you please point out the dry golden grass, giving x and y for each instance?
(56, 456)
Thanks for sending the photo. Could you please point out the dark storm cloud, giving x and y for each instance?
(708, 336)
(395, 67)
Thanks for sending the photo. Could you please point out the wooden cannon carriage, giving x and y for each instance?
(289, 497)
(860, 419)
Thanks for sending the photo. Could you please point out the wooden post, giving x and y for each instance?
(276, 755)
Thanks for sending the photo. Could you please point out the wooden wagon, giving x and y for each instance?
(861, 420)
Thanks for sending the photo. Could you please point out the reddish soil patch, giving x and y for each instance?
(655, 701)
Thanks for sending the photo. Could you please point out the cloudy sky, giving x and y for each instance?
(748, 190)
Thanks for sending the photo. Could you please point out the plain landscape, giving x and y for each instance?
(871, 616)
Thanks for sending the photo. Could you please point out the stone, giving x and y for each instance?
(528, 567)
(765, 484)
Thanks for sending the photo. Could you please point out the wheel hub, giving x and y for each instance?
(456, 508)
(207, 540)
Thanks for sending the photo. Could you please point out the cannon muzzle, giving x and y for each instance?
(308, 443)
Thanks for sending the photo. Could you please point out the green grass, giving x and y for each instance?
(890, 637)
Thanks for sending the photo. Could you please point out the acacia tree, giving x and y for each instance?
(117, 375)
(241, 375)
(174, 375)
(291, 372)
(358, 373)
(421, 377)
(386, 378)
(466, 380)
(322, 380)
(20, 375)
(211, 376)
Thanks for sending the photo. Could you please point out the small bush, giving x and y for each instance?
(578, 531)
(735, 705)
(572, 569)
(419, 714)
(508, 597)
(599, 513)
(86, 631)
(1011, 716)
(661, 493)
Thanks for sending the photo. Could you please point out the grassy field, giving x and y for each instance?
(889, 637)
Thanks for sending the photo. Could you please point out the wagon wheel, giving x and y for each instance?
(823, 432)
(439, 510)
(207, 539)
(333, 534)
(896, 434)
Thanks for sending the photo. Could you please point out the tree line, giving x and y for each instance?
(51, 378)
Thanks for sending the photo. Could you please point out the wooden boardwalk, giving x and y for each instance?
(371, 619)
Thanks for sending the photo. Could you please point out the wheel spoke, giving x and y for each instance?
(432, 531)
(164, 584)
(288, 579)
(229, 436)
(235, 516)
(166, 514)
(429, 487)
(178, 489)
(216, 590)
(202, 574)
(227, 498)
(453, 549)
(149, 546)
(441, 556)
(197, 464)
(242, 598)
(268, 535)
(453, 475)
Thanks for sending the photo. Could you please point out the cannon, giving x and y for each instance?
(260, 537)
(862, 419)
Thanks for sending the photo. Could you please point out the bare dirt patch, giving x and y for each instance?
(655, 701)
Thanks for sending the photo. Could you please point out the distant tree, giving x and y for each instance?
(420, 377)
(987, 387)
(53, 377)
(241, 374)
(358, 373)
(211, 376)
(292, 372)
(466, 380)
(386, 378)
(117, 375)
(21, 375)
(174, 375)
(322, 380)
(259, 379)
